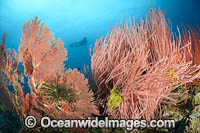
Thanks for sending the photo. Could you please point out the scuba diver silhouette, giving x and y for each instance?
(80, 43)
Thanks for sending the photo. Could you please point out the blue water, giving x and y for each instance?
(72, 20)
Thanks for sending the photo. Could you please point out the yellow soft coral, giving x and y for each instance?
(115, 99)
(172, 75)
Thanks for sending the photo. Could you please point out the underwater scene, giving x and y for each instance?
(109, 66)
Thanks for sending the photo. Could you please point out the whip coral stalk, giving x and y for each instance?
(194, 36)
(144, 63)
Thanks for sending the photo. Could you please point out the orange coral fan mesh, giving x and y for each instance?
(39, 51)
(43, 58)
(83, 106)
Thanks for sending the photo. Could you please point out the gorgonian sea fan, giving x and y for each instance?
(38, 49)
(3, 53)
(10, 76)
(144, 64)
(84, 104)
(65, 97)
(4, 93)
(55, 93)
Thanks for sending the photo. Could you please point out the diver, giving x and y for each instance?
(80, 43)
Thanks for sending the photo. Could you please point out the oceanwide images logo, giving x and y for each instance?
(46, 122)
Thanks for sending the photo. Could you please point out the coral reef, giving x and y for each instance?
(54, 91)
(138, 71)
(145, 63)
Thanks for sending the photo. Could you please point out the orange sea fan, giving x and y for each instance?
(38, 49)
(5, 98)
(46, 102)
(10, 76)
(54, 92)
(43, 61)
(3, 53)
(85, 105)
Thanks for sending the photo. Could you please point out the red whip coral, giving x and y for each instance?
(195, 43)
(193, 35)
(144, 63)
